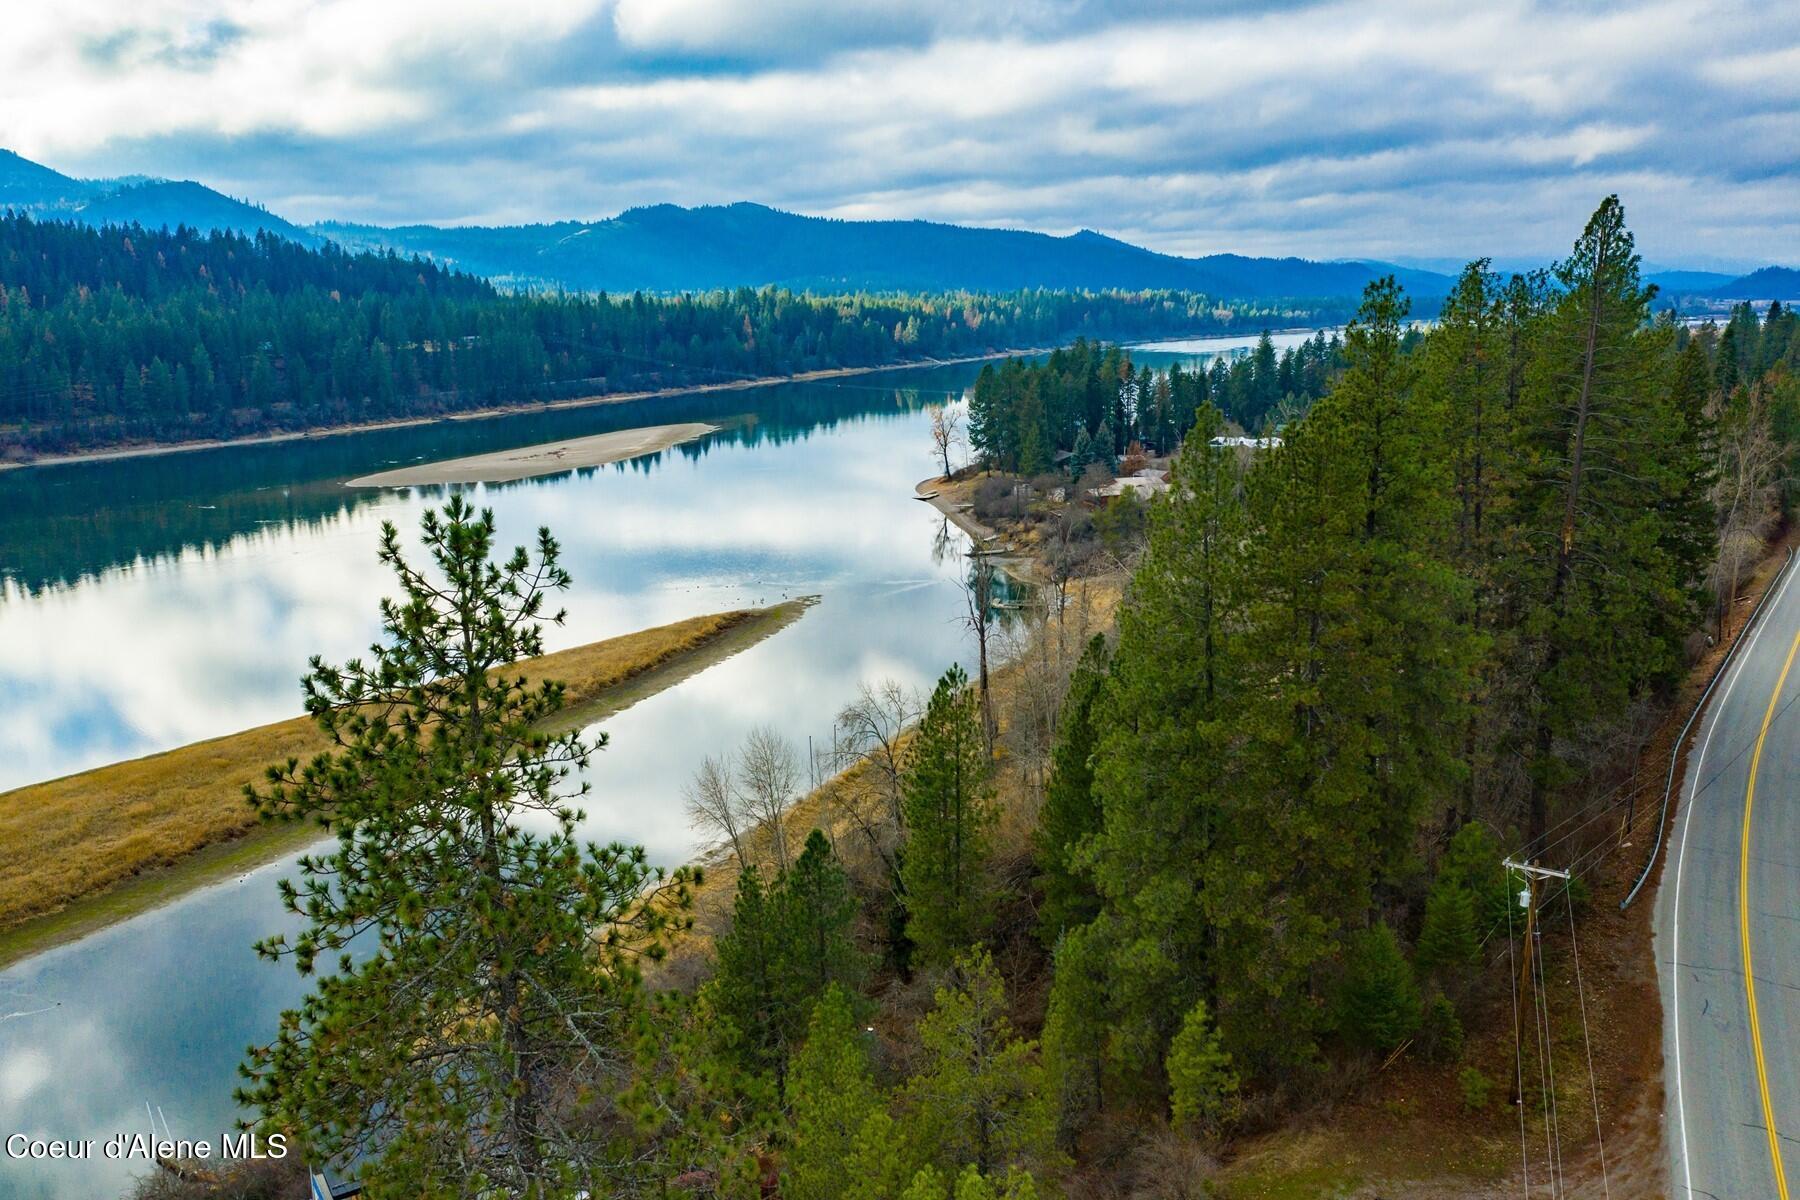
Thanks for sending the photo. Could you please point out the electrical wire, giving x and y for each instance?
(1512, 976)
(1587, 1043)
(1547, 1066)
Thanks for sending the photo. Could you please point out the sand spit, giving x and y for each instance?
(550, 458)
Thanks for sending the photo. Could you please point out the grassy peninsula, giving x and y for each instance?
(93, 848)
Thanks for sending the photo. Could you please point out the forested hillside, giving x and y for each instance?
(121, 334)
(1079, 927)
(1425, 630)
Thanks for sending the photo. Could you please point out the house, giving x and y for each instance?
(1246, 443)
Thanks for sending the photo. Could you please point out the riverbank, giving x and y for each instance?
(955, 499)
(90, 849)
(145, 450)
(548, 458)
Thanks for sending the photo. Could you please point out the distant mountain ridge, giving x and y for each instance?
(153, 203)
(667, 248)
(1767, 283)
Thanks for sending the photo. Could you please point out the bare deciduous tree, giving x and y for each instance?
(715, 804)
(946, 433)
(1041, 654)
(1746, 485)
(769, 775)
(870, 728)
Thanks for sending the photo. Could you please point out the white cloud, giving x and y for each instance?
(1306, 128)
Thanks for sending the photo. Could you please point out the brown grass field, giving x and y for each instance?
(91, 848)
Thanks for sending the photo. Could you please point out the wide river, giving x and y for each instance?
(151, 602)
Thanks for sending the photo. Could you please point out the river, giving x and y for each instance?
(147, 603)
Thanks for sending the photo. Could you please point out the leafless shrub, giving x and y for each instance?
(1000, 496)
(1169, 1166)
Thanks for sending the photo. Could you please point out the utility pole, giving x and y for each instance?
(1527, 901)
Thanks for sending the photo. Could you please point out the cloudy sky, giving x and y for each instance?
(1394, 128)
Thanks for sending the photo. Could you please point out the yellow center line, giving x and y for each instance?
(1762, 1070)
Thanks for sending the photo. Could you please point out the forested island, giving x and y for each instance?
(1154, 888)
(119, 335)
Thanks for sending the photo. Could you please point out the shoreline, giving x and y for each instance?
(259, 844)
(1022, 565)
(149, 450)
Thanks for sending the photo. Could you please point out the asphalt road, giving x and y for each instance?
(1728, 930)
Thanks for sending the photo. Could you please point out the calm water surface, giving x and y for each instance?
(148, 603)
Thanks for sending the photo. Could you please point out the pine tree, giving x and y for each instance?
(1071, 810)
(1378, 1002)
(1077, 1024)
(1105, 446)
(1203, 1089)
(1448, 940)
(980, 1100)
(1407, 596)
(1265, 386)
(1463, 376)
(971, 1184)
(691, 1101)
(1359, 671)
(751, 987)
(481, 982)
(1082, 454)
(789, 942)
(832, 1099)
(818, 912)
(1604, 509)
(946, 790)
(1472, 862)
(1161, 766)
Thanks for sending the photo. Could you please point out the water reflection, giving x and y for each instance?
(191, 643)
(188, 644)
(61, 524)
(148, 603)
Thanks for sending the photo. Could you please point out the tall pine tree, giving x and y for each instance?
(947, 788)
(432, 1054)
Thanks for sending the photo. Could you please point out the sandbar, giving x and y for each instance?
(549, 458)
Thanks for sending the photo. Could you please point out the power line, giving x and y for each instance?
(1547, 1069)
(1518, 1055)
(1586, 1041)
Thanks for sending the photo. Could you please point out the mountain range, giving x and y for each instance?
(666, 248)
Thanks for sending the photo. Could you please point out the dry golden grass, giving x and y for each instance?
(81, 835)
